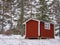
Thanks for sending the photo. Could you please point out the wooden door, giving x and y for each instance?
(32, 29)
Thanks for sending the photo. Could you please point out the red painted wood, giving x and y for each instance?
(32, 29)
(45, 32)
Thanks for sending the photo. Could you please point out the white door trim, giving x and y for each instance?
(38, 28)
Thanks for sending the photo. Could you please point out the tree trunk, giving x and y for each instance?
(21, 17)
(31, 10)
(3, 18)
(20, 21)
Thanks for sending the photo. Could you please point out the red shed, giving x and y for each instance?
(35, 28)
(46, 30)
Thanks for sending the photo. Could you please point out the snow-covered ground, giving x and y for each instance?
(18, 40)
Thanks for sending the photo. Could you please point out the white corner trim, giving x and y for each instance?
(54, 30)
(38, 28)
(25, 29)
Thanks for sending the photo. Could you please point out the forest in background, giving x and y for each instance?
(14, 12)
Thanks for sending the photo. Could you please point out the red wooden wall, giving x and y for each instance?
(32, 29)
(45, 32)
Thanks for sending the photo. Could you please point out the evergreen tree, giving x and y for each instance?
(43, 9)
(55, 7)
(57, 13)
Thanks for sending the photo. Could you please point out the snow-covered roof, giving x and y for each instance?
(31, 19)
(36, 20)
